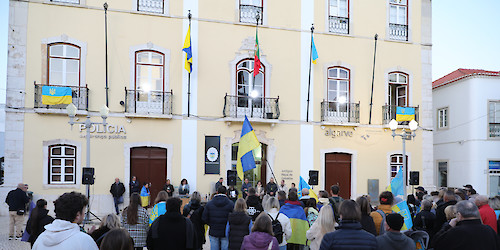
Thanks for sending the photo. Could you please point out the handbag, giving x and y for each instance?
(120, 200)
(20, 212)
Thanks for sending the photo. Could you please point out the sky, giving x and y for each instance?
(465, 34)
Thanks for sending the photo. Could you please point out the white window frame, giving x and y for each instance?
(340, 15)
(77, 167)
(150, 66)
(492, 173)
(68, 1)
(442, 118)
(248, 44)
(400, 83)
(149, 47)
(493, 117)
(397, 164)
(65, 60)
(401, 7)
(263, 16)
(164, 12)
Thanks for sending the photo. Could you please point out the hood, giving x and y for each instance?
(324, 201)
(260, 240)
(397, 237)
(220, 200)
(58, 231)
(252, 200)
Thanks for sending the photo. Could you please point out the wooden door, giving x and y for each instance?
(338, 171)
(149, 164)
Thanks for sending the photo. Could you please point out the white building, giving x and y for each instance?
(466, 105)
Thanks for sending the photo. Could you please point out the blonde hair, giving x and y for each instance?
(111, 221)
(326, 220)
(240, 205)
(161, 196)
(451, 212)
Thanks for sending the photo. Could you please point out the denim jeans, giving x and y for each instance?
(217, 243)
(116, 200)
(283, 247)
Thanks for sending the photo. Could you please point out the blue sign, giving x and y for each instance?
(494, 164)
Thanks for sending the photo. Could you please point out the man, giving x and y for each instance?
(424, 220)
(283, 187)
(17, 199)
(169, 188)
(448, 200)
(335, 200)
(393, 238)
(64, 232)
(271, 187)
(171, 230)
(488, 215)
(386, 199)
(305, 197)
(117, 189)
(281, 197)
(254, 207)
(134, 186)
(293, 188)
(218, 184)
(215, 215)
(244, 188)
(466, 231)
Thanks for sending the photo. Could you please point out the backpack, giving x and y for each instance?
(277, 228)
(382, 223)
(335, 203)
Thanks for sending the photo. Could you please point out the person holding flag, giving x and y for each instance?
(248, 142)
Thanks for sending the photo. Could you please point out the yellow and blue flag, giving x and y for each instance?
(397, 186)
(303, 184)
(52, 95)
(188, 64)
(405, 114)
(402, 209)
(314, 52)
(248, 142)
(298, 222)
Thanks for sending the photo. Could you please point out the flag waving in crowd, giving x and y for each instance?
(303, 184)
(248, 142)
(397, 184)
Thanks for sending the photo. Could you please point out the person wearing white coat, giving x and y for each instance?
(272, 207)
(324, 224)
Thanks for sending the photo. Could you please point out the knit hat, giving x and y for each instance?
(395, 221)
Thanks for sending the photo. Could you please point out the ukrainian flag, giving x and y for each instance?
(303, 184)
(397, 186)
(402, 209)
(188, 63)
(52, 95)
(248, 142)
(314, 52)
(298, 222)
(405, 114)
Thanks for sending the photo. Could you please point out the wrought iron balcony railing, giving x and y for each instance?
(389, 113)
(260, 107)
(153, 6)
(494, 130)
(398, 32)
(148, 102)
(80, 96)
(338, 24)
(337, 112)
(249, 12)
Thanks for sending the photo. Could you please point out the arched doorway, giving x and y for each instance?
(338, 172)
(149, 164)
(257, 174)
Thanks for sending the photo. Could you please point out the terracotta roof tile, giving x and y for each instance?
(461, 74)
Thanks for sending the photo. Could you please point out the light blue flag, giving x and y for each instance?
(303, 184)
(397, 186)
(402, 209)
(314, 52)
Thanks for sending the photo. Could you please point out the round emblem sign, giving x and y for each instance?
(212, 154)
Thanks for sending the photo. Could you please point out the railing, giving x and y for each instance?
(398, 32)
(338, 24)
(339, 112)
(389, 113)
(80, 96)
(260, 107)
(153, 6)
(249, 12)
(148, 102)
(495, 130)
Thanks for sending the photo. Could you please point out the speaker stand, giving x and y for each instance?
(88, 213)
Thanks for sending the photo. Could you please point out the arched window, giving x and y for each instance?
(250, 89)
(62, 164)
(396, 162)
(256, 174)
(149, 81)
(398, 89)
(63, 64)
(338, 86)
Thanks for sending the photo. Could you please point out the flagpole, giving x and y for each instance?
(373, 78)
(189, 73)
(309, 84)
(105, 5)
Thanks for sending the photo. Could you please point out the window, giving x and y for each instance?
(494, 167)
(63, 64)
(398, 20)
(443, 118)
(67, 1)
(398, 89)
(152, 6)
(250, 89)
(338, 89)
(62, 164)
(494, 119)
(249, 9)
(149, 82)
(442, 174)
(338, 16)
(396, 163)
(256, 174)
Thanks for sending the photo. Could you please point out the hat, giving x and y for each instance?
(395, 221)
(420, 188)
(468, 186)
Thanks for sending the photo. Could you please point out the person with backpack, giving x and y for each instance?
(325, 223)
(335, 200)
(261, 237)
(193, 211)
(281, 223)
(386, 199)
(238, 225)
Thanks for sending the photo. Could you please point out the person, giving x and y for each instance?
(393, 238)
(109, 222)
(293, 188)
(253, 204)
(238, 225)
(219, 183)
(37, 221)
(335, 200)
(298, 222)
(194, 211)
(281, 197)
(271, 187)
(311, 211)
(413, 205)
(466, 231)
(386, 199)
(272, 207)
(215, 215)
(145, 194)
(448, 200)
(305, 196)
(135, 221)
(171, 230)
(117, 189)
(488, 215)
(259, 190)
(17, 200)
(283, 187)
(424, 220)
(261, 236)
(117, 239)
(244, 188)
(64, 232)
(232, 193)
(366, 220)
(184, 187)
(134, 186)
(323, 225)
(160, 206)
(322, 199)
(169, 188)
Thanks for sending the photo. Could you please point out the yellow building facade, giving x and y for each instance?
(153, 134)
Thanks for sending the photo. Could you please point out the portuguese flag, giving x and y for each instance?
(256, 63)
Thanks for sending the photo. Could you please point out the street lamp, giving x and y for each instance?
(393, 125)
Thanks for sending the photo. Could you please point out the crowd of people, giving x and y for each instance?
(270, 217)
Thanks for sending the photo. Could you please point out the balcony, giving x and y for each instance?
(152, 6)
(338, 25)
(260, 107)
(494, 130)
(389, 113)
(148, 103)
(398, 32)
(339, 113)
(249, 12)
(80, 96)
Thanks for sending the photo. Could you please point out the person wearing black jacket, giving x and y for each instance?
(108, 223)
(134, 186)
(239, 225)
(169, 188)
(253, 204)
(117, 189)
(366, 220)
(39, 218)
(271, 187)
(424, 220)
(193, 211)
(17, 199)
(215, 215)
(448, 199)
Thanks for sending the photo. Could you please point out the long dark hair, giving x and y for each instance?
(117, 239)
(35, 214)
(131, 210)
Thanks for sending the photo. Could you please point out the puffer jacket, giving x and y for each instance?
(377, 218)
(254, 206)
(216, 213)
(259, 241)
(349, 235)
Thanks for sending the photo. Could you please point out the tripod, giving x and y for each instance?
(88, 213)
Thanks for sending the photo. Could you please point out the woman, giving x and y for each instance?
(37, 221)
(135, 221)
(145, 195)
(259, 190)
(272, 208)
(366, 220)
(117, 239)
(261, 237)
(238, 225)
(232, 193)
(311, 211)
(160, 206)
(111, 221)
(323, 199)
(323, 225)
(184, 187)
(194, 210)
